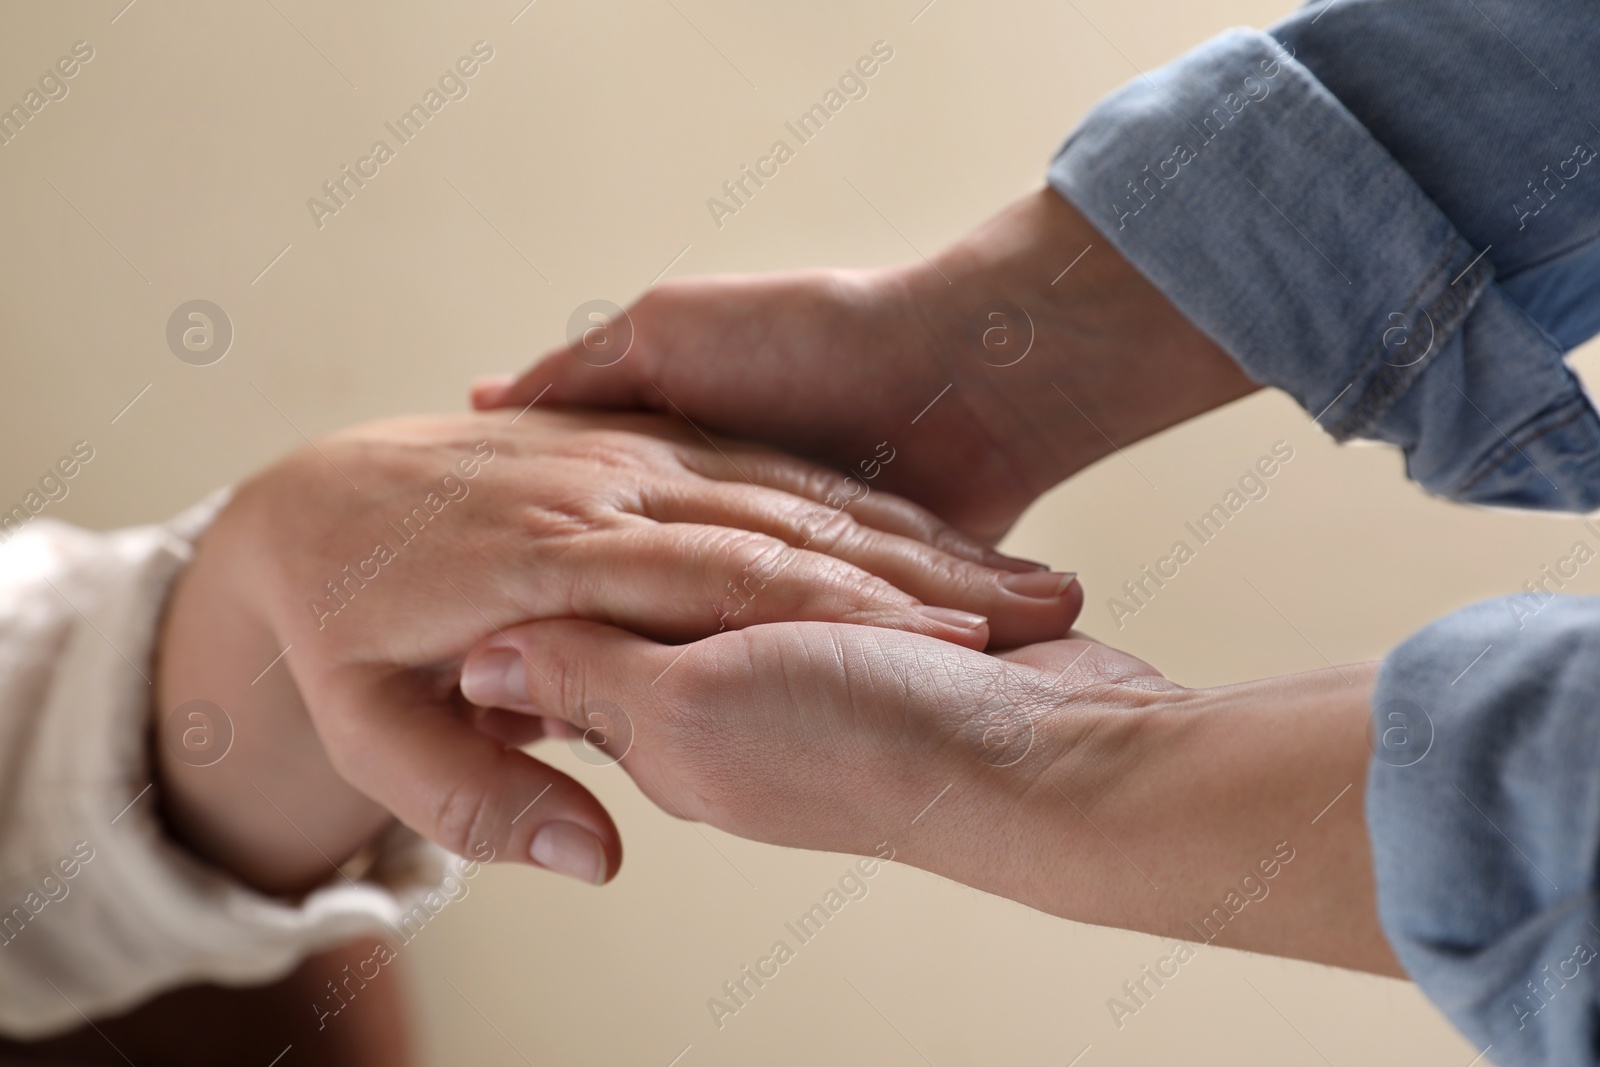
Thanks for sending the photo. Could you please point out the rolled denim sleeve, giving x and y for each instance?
(1249, 192)
(1391, 211)
(1484, 802)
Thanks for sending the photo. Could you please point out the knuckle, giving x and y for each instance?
(756, 555)
(813, 479)
(467, 816)
(829, 532)
(838, 490)
(559, 514)
(624, 451)
(570, 683)
(952, 588)
(751, 562)
(813, 482)
(868, 598)
(951, 572)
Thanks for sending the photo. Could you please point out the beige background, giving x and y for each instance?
(590, 143)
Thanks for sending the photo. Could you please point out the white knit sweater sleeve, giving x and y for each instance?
(98, 910)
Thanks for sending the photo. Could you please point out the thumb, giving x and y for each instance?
(458, 787)
(605, 364)
(601, 682)
(565, 668)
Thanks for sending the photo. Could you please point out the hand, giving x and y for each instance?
(827, 364)
(814, 735)
(1066, 775)
(464, 525)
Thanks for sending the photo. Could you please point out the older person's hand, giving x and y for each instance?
(379, 556)
(993, 371)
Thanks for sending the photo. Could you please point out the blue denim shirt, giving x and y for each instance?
(1391, 211)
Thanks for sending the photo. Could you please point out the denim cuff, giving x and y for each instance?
(1264, 210)
(1483, 807)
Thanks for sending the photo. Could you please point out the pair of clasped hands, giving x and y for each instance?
(804, 651)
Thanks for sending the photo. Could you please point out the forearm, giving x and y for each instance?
(1112, 360)
(1252, 197)
(1231, 815)
(128, 913)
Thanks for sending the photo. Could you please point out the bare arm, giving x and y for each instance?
(1066, 775)
(1231, 815)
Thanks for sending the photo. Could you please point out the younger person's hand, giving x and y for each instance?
(373, 561)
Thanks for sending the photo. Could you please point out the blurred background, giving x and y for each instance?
(577, 167)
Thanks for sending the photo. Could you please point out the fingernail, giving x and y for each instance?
(1002, 562)
(493, 381)
(569, 849)
(498, 678)
(1041, 585)
(491, 385)
(961, 620)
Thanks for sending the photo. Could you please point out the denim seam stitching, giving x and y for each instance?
(1385, 387)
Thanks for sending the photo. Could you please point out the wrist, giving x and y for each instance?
(1178, 812)
(1261, 791)
(1111, 361)
(247, 804)
(1025, 781)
